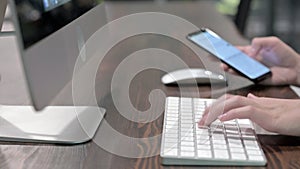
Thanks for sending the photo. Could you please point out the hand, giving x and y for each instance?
(283, 61)
(275, 115)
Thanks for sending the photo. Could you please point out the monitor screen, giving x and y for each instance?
(50, 35)
(40, 18)
(51, 4)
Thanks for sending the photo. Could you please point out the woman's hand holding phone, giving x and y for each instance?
(272, 52)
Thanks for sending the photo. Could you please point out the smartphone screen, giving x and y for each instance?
(230, 55)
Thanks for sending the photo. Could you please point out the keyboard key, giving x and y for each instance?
(171, 152)
(235, 142)
(219, 142)
(171, 145)
(237, 150)
(203, 146)
(188, 144)
(171, 140)
(245, 123)
(170, 127)
(218, 131)
(231, 128)
(172, 119)
(187, 154)
(216, 124)
(171, 130)
(171, 135)
(232, 135)
(202, 131)
(203, 138)
(187, 125)
(187, 148)
(189, 139)
(221, 154)
(185, 131)
(220, 146)
(238, 156)
(186, 121)
(218, 136)
(203, 142)
(256, 158)
(230, 122)
(250, 144)
(248, 137)
(254, 152)
(204, 154)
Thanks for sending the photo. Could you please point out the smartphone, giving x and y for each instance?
(230, 55)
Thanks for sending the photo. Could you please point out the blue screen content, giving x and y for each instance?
(230, 54)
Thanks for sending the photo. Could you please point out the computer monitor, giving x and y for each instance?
(3, 5)
(50, 35)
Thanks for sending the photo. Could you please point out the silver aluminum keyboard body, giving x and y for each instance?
(232, 143)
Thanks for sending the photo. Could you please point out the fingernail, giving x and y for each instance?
(201, 123)
(222, 116)
(250, 95)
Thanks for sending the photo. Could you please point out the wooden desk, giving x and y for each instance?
(281, 151)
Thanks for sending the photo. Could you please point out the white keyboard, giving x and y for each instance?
(231, 143)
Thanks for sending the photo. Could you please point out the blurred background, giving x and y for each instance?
(267, 18)
(255, 17)
(262, 17)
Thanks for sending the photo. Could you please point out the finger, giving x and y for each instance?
(231, 102)
(202, 121)
(218, 101)
(251, 112)
(227, 69)
(265, 43)
(245, 112)
(245, 49)
(207, 110)
(241, 48)
(252, 96)
(232, 71)
(224, 66)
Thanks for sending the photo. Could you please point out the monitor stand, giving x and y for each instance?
(3, 8)
(55, 124)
